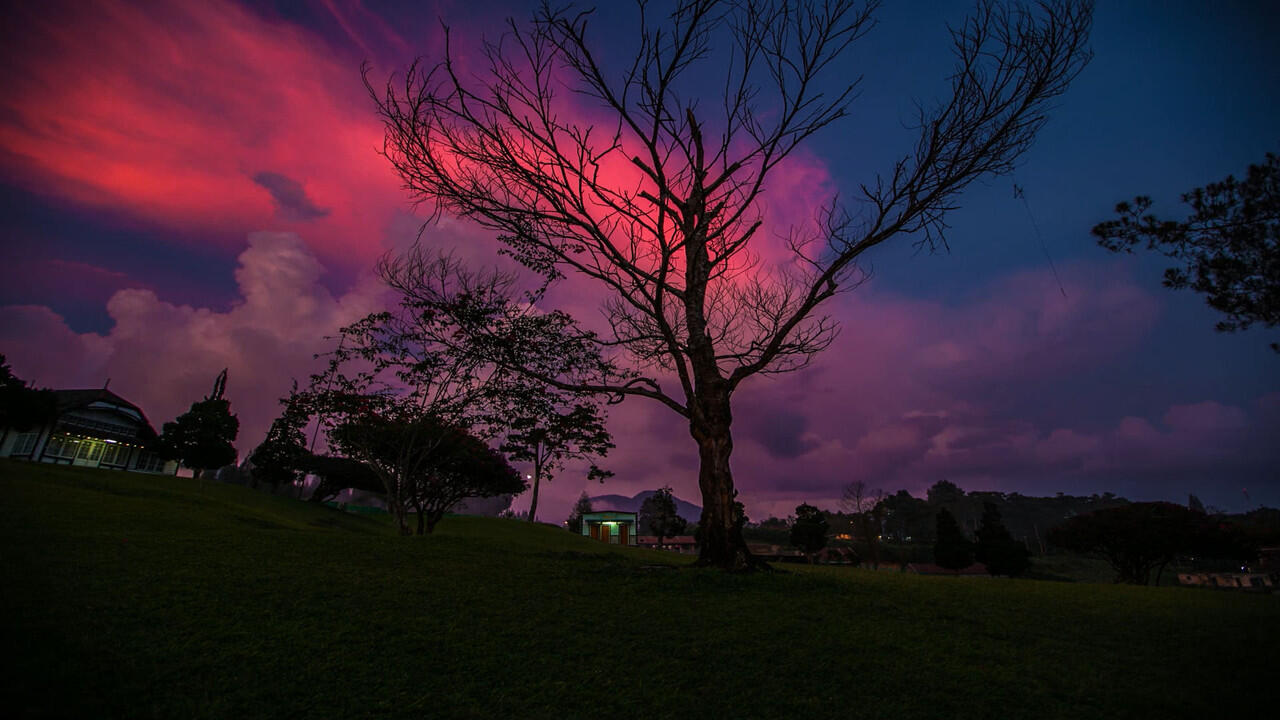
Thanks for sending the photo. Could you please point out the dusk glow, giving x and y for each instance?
(191, 186)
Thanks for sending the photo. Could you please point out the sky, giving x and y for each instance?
(189, 186)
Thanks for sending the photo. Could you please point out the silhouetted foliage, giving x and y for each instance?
(337, 474)
(658, 515)
(546, 433)
(23, 408)
(996, 548)
(580, 508)
(202, 438)
(434, 465)
(809, 531)
(1141, 537)
(662, 203)
(951, 549)
(869, 511)
(277, 461)
(1228, 248)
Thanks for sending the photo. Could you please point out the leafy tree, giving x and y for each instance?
(1140, 537)
(907, 518)
(278, 460)
(1228, 248)
(548, 436)
(429, 466)
(869, 513)
(996, 548)
(809, 531)
(662, 205)
(580, 508)
(1193, 503)
(23, 408)
(202, 438)
(951, 550)
(658, 515)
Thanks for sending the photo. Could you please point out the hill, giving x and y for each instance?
(684, 508)
(152, 596)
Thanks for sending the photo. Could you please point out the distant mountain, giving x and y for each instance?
(684, 509)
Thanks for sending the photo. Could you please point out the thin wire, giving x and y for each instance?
(1018, 194)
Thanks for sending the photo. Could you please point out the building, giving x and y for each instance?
(612, 526)
(91, 428)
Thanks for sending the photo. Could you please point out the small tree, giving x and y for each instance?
(202, 437)
(996, 548)
(658, 515)
(580, 508)
(809, 531)
(951, 550)
(1228, 248)
(548, 435)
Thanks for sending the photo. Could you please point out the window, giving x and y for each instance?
(110, 454)
(60, 446)
(25, 443)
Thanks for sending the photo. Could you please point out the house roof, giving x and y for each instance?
(68, 400)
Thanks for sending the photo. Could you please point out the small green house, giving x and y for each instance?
(612, 526)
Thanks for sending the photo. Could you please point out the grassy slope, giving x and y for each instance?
(140, 596)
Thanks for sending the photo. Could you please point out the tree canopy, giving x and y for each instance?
(1228, 248)
(202, 438)
(661, 203)
(23, 407)
(996, 548)
(659, 516)
(809, 531)
(951, 549)
(1145, 536)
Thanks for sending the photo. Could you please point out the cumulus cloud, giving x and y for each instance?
(163, 356)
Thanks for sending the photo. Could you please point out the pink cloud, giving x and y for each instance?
(169, 111)
(164, 356)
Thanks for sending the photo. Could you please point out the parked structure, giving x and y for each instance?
(677, 543)
(612, 526)
(92, 428)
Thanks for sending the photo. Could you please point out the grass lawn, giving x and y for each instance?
(148, 596)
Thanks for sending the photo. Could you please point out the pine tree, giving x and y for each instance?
(952, 550)
(582, 507)
(996, 548)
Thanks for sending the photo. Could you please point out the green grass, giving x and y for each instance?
(141, 596)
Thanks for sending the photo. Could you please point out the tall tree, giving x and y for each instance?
(662, 205)
(547, 435)
(809, 531)
(658, 515)
(951, 550)
(580, 508)
(204, 436)
(996, 548)
(1228, 248)
(278, 460)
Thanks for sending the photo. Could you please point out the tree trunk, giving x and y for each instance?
(533, 500)
(720, 543)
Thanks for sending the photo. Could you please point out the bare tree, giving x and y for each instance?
(868, 510)
(691, 311)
